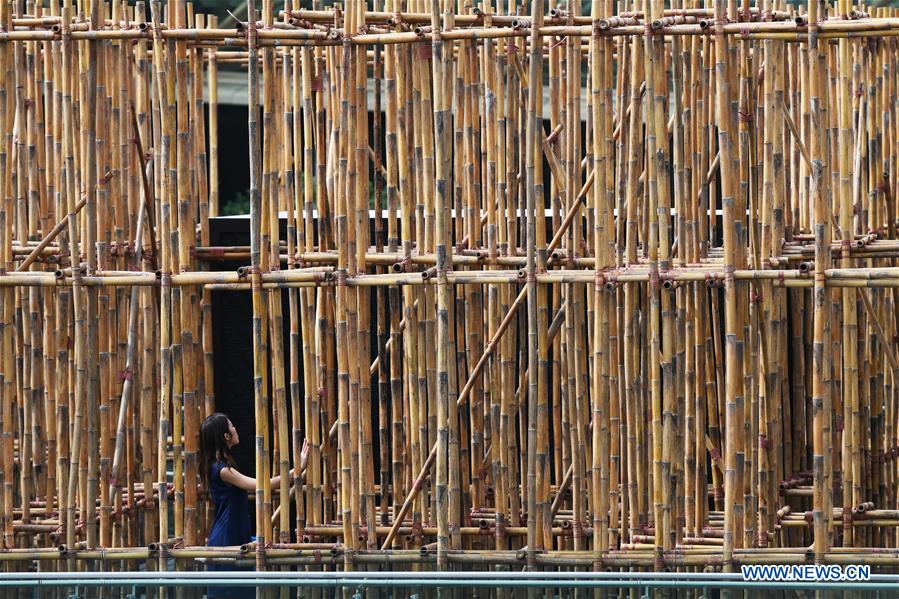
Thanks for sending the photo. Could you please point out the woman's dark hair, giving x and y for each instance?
(213, 447)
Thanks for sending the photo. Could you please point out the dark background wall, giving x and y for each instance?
(232, 334)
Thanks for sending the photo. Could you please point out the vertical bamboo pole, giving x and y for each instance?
(443, 200)
(634, 414)
(534, 129)
(259, 314)
(345, 439)
(821, 400)
(92, 364)
(652, 56)
(733, 392)
(603, 205)
(7, 295)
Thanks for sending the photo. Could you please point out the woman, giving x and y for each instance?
(228, 489)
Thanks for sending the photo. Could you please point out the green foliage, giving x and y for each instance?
(239, 203)
(217, 7)
(239, 7)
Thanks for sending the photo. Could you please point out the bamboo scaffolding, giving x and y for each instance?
(602, 290)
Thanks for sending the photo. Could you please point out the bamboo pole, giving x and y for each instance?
(443, 199)
(821, 403)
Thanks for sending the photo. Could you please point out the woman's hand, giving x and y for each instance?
(304, 456)
(294, 472)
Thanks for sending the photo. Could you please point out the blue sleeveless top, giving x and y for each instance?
(231, 525)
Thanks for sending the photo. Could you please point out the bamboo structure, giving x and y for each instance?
(655, 248)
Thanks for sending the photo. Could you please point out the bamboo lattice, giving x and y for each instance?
(655, 250)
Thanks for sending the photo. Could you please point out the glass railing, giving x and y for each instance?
(75, 585)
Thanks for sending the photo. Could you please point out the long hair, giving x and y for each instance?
(213, 446)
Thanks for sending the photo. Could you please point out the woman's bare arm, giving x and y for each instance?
(242, 481)
(236, 479)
